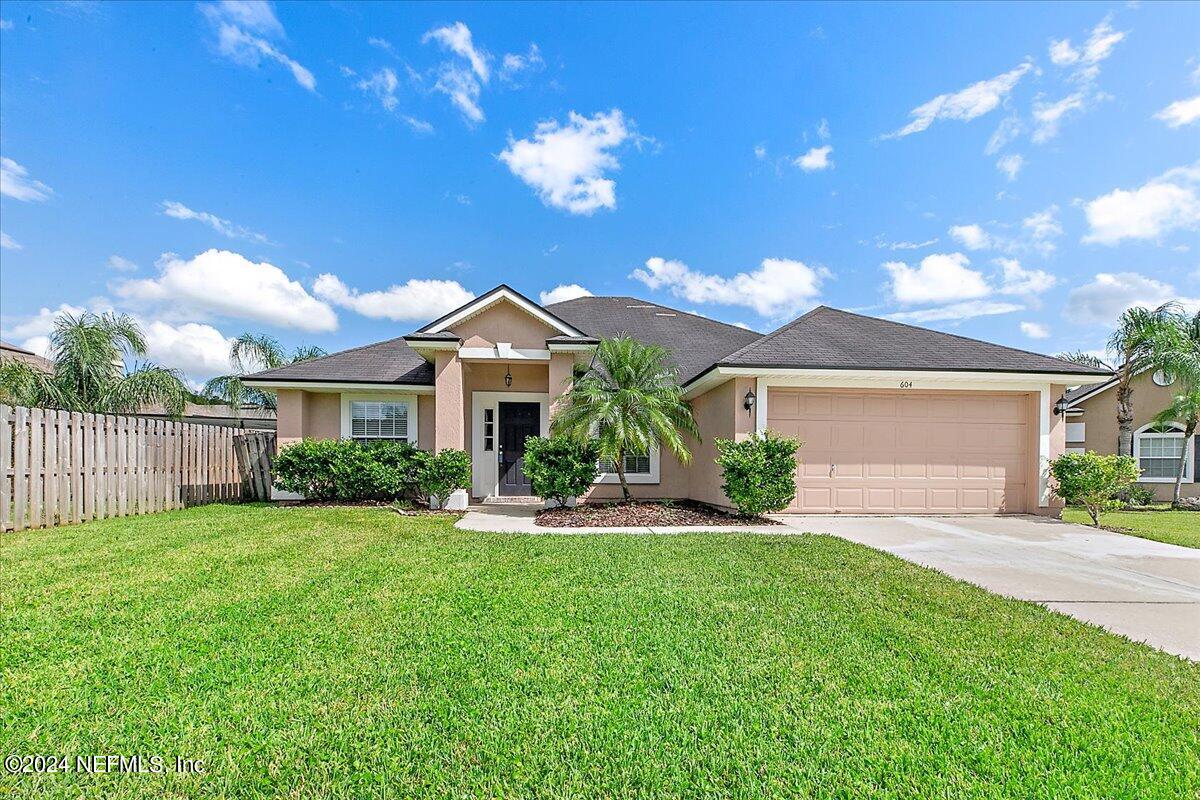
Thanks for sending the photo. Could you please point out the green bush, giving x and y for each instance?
(560, 467)
(759, 472)
(342, 469)
(1092, 480)
(1136, 496)
(443, 473)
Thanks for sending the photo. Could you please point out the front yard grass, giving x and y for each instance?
(327, 652)
(1172, 527)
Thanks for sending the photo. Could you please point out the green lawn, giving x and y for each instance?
(1172, 527)
(308, 652)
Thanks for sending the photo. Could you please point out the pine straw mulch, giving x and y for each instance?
(643, 515)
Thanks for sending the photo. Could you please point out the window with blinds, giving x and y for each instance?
(635, 464)
(378, 420)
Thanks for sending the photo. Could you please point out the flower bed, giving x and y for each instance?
(643, 515)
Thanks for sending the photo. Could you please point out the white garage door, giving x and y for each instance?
(906, 452)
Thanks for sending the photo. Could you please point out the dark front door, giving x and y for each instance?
(517, 421)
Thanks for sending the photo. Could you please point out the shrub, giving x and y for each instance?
(342, 469)
(1136, 496)
(759, 472)
(443, 473)
(1092, 480)
(560, 467)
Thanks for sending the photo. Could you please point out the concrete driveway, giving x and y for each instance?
(1145, 590)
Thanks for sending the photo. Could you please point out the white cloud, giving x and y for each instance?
(1015, 279)
(823, 128)
(965, 104)
(177, 210)
(1181, 112)
(972, 237)
(1048, 116)
(199, 351)
(16, 183)
(956, 311)
(1158, 207)
(40, 324)
(1102, 300)
(38, 345)
(940, 278)
(513, 65)
(461, 82)
(562, 292)
(760, 152)
(6, 25)
(9, 243)
(383, 84)
(1008, 129)
(1042, 228)
(243, 28)
(1086, 58)
(121, 264)
(382, 44)
(228, 284)
(1062, 53)
(815, 159)
(883, 244)
(419, 300)
(418, 125)
(566, 164)
(1035, 330)
(780, 287)
(1010, 165)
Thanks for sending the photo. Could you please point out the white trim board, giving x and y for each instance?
(338, 387)
(882, 379)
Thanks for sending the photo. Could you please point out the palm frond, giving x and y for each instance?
(1085, 359)
(147, 385)
(252, 352)
(24, 385)
(306, 353)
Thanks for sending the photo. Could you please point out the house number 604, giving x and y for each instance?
(905, 384)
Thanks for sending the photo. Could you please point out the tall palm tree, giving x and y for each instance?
(630, 401)
(1136, 342)
(1178, 352)
(1086, 359)
(250, 353)
(89, 352)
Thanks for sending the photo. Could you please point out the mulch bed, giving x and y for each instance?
(642, 515)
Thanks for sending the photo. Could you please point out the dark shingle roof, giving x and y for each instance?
(826, 338)
(695, 341)
(392, 361)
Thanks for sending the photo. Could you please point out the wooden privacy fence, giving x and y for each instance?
(66, 467)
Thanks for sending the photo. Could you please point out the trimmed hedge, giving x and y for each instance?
(343, 469)
(759, 472)
(560, 467)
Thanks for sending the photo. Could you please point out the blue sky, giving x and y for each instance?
(336, 174)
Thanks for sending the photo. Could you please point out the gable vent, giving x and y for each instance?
(664, 314)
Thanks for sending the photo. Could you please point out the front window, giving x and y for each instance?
(378, 420)
(635, 464)
(1159, 452)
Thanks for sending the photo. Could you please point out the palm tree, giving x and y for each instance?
(250, 353)
(1137, 342)
(1085, 359)
(629, 400)
(89, 352)
(1178, 352)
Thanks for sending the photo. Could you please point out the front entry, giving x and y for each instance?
(517, 421)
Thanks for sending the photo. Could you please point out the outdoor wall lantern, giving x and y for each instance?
(748, 402)
(507, 375)
(1061, 406)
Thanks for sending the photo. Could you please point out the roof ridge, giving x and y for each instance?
(653, 303)
(783, 329)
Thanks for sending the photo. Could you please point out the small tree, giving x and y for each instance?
(1092, 480)
(759, 472)
(444, 473)
(560, 467)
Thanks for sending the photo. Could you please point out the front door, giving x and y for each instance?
(517, 421)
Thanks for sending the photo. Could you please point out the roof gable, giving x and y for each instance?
(500, 294)
(828, 338)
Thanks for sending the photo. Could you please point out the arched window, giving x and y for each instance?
(1158, 450)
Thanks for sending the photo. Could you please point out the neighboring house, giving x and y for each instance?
(11, 351)
(1092, 425)
(894, 419)
(251, 417)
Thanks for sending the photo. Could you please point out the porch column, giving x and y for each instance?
(561, 365)
(449, 406)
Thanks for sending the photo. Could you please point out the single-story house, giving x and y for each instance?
(9, 351)
(1092, 425)
(894, 418)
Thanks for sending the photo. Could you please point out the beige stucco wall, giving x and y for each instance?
(1100, 423)
(504, 322)
(307, 415)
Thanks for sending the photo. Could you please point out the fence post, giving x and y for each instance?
(20, 467)
(6, 468)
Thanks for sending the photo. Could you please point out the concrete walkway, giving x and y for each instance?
(1145, 590)
(1148, 591)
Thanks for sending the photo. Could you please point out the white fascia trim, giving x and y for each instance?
(409, 400)
(335, 386)
(420, 345)
(494, 354)
(471, 309)
(570, 348)
(882, 379)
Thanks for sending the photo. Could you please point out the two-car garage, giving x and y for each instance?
(902, 451)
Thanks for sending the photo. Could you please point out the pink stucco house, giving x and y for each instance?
(894, 418)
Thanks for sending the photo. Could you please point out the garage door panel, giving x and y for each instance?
(904, 452)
